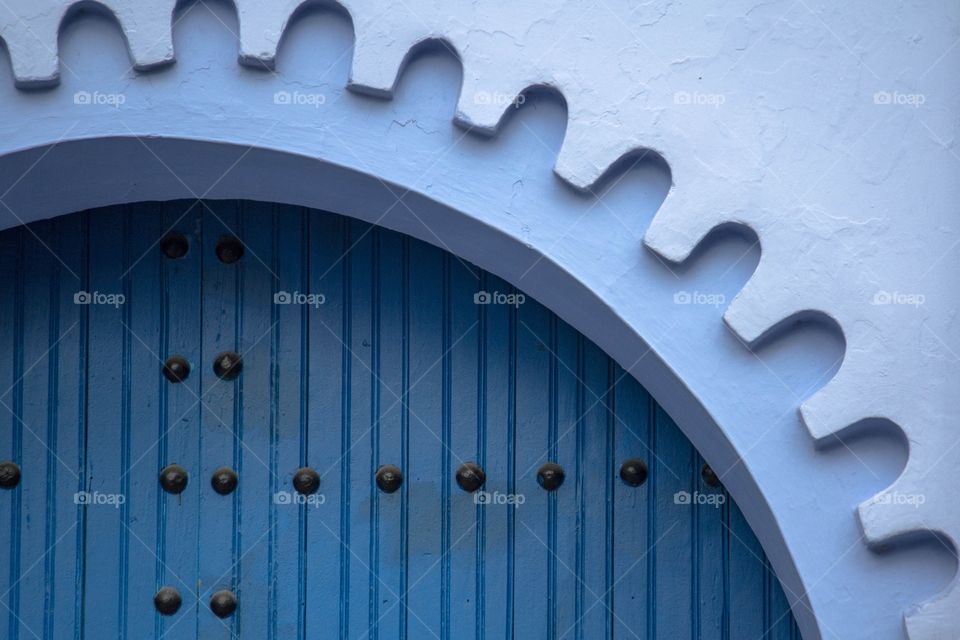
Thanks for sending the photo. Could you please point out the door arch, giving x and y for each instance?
(359, 347)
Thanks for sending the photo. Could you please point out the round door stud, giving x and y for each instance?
(173, 478)
(229, 249)
(223, 603)
(9, 474)
(710, 476)
(167, 601)
(634, 472)
(175, 245)
(306, 481)
(224, 480)
(550, 476)
(176, 369)
(470, 476)
(228, 365)
(389, 478)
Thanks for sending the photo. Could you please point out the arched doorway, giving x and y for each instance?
(356, 348)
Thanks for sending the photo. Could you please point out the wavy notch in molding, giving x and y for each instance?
(384, 37)
(606, 119)
(868, 387)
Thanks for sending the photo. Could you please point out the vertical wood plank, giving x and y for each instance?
(145, 390)
(37, 429)
(178, 443)
(289, 426)
(259, 478)
(65, 561)
(326, 436)
(388, 544)
(428, 451)
(462, 398)
(630, 513)
(219, 416)
(109, 348)
(535, 542)
(672, 530)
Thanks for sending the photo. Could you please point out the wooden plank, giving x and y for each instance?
(178, 515)
(632, 562)
(328, 436)
(536, 532)
(220, 419)
(108, 541)
(146, 385)
(259, 478)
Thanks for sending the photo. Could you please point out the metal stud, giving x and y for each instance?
(224, 480)
(167, 601)
(634, 472)
(229, 249)
(223, 603)
(175, 245)
(9, 474)
(389, 478)
(174, 478)
(176, 369)
(710, 476)
(306, 481)
(470, 476)
(228, 365)
(550, 476)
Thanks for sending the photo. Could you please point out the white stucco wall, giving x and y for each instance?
(826, 128)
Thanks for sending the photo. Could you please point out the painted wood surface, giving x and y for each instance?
(398, 362)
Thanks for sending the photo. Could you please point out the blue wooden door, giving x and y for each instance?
(259, 347)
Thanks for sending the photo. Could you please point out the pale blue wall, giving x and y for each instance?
(512, 209)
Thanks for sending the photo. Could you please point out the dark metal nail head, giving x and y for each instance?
(634, 472)
(306, 481)
(224, 480)
(550, 476)
(167, 601)
(470, 476)
(174, 478)
(175, 245)
(9, 474)
(389, 478)
(176, 369)
(223, 603)
(229, 249)
(228, 365)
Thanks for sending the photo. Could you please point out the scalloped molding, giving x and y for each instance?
(828, 130)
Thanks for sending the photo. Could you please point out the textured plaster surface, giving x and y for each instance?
(826, 128)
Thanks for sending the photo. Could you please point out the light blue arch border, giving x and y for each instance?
(208, 127)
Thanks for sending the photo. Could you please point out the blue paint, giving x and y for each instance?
(398, 336)
(496, 203)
